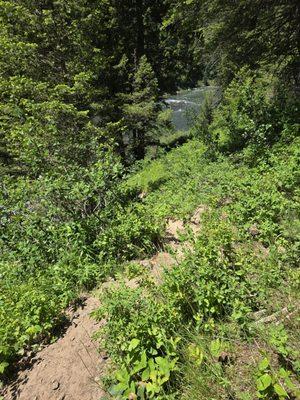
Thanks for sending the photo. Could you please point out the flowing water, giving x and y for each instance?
(186, 105)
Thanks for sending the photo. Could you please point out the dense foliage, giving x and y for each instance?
(201, 319)
(88, 183)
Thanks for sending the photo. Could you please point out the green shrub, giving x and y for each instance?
(251, 112)
(211, 283)
(140, 336)
(127, 233)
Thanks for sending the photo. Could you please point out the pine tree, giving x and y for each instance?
(141, 110)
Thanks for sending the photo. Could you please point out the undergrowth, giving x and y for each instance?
(58, 238)
(204, 332)
(223, 323)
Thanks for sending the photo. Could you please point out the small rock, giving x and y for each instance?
(253, 230)
(142, 195)
(104, 355)
(55, 385)
(224, 357)
(62, 397)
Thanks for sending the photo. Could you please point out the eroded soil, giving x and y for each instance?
(67, 369)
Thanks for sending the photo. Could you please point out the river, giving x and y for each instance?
(186, 105)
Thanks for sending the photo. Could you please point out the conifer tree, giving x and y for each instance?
(141, 110)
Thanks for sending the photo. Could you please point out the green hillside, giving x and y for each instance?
(220, 321)
(189, 238)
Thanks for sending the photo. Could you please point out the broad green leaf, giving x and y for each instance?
(264, 382)
(139, 365)
(133, 344)
(215, 347)
(3, 366)
(150, 389)
(264, 364)
(146, 374)
(123, 375)
(196, 354)
(283, 373)
(151, 364)
(280, 390)
(118, 389)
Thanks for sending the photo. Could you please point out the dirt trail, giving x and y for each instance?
(174, 248)
(71, 368)
(67, 369)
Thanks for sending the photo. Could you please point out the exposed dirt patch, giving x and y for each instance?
(157, 264)
(174, 229)
(241, 372)
(177, 229)
(67, 369)
(197, 217)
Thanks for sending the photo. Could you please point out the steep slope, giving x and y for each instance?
(223, 321)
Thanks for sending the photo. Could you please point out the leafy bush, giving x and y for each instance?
(211, 283)
(140, 336)
(272, 384)
(60, 234)
(252, 113)
(128, 232)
